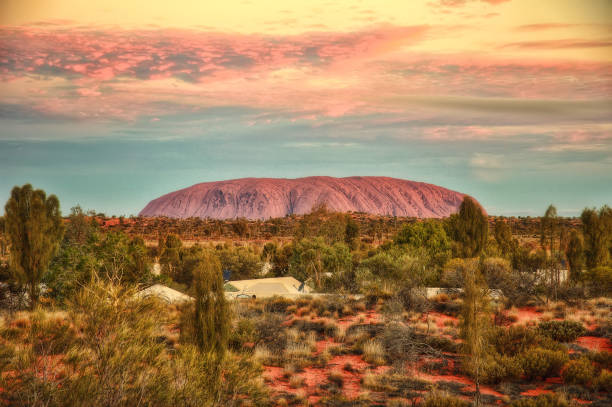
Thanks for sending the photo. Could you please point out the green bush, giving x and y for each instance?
(278, 304)
(243, 332)
(579, 371)
(543, 363)
(603, 358)
(561, 331)
(501, 368)
(514, 339)
(437, 399)
(545, 400)
(603, 382)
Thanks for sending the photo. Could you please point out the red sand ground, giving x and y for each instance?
(440, 319)
(368, 317)
(595, 343)
(527, 315)
(468, 383)
(536, 392)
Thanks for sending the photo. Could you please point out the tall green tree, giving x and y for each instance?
(574, 253)
(351, 231)
(34, 226)
(503, 237)
(548, 229)
(211, 315)
(469, 228)
(475, 322)
(597, 231)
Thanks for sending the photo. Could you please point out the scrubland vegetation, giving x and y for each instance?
(504, 327)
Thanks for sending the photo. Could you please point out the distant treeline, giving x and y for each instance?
(372, 228)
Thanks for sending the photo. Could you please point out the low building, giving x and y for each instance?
(266, 287)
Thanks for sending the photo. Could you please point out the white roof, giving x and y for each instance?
(268, 287)
(171, 296)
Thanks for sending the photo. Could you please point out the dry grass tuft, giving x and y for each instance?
(373, 352)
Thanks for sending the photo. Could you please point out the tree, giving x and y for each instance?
(351, 232)
(78, 229)
(475, 322)
(469, 228)
(575, 255)
(313, 259)
(210, 320)
(597, 231)
(503, 237)
(170, 255)
(34, 227)
(548, 228)
(428, 236)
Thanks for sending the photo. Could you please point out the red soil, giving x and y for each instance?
(368, 317)
(324, 344)
(468, 383)
(535, 392)
(440, 319)
(527, 315)
(595, 343)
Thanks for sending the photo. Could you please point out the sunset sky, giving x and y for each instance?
(110, 104)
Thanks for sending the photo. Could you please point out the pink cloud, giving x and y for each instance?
(124, 74)
(188, 55)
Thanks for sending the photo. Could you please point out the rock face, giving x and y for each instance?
(263, 198)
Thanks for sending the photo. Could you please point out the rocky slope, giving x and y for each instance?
(262, 198)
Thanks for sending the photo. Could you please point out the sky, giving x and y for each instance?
(109, 104)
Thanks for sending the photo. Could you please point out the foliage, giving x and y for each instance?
(34, 227)
(313, 259)
(513, 340)
(243, 262)
(597, 231)
(548, 228)
(207, 322)
(579, 371)
(503, 237)
(428, 234)
(603, 382)
(574, 253)
(469, 229)
(438, 399)
(475, 322)
(117, 357)
(545, 400)
(542, 363)
(599, 281)
(561, 331)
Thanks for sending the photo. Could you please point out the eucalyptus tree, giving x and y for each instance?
(34, 227)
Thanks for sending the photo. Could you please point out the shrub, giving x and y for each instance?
(269, 333)
(437, 399)
(499, 368)
(243, 332)
(278, 304)
(545, 400)
(538, 362)
(603, 382)
(513, 340)
(373, 352)
(297, 351)
(603, 358)
(336, 378)
(296, 381)
(561, 331)
(579, 371)
(400, 343)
